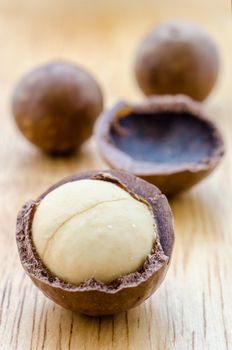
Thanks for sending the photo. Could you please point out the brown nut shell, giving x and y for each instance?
(177, 57)
(55, 106)
(93, 297)
(166, 140)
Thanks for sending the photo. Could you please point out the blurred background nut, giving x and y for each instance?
(55, 106)
(177, 57)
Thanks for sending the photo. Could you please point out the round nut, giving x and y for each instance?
(177, 57)
(97, 229)
(55, 106)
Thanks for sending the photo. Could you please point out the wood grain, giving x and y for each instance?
(193, 307)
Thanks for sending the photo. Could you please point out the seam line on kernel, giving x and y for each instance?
(71, 217)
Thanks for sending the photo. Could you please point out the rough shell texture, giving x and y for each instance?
(93, 297)
(166, 140)
(177, 57)
(55, 106)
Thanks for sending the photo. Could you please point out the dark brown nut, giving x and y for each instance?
(166, 140)
(177, 57)
(55, 106)
(92, 296)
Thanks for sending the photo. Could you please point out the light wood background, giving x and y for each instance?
(193, 307)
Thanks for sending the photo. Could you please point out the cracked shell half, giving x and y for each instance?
(167, 140)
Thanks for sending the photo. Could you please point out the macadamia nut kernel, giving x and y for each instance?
(92, 228)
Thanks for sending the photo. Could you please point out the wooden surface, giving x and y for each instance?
(193, 307)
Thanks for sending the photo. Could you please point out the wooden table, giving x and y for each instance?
(193, 307)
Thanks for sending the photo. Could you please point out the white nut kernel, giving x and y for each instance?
(92, 228)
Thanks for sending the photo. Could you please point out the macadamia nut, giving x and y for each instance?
(92, 228)
(177, 57)
(55, 106)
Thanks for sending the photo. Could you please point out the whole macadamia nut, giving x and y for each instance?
(177, 57)
(55, 106)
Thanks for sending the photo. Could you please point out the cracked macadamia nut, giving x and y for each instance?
(177, 57)
(92, 228)
(98, 242)
(55, 106)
